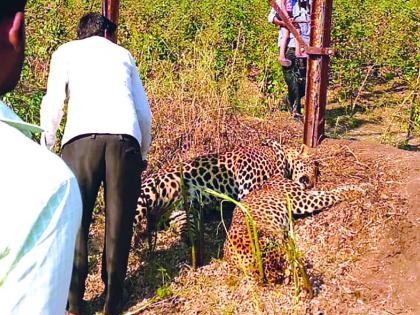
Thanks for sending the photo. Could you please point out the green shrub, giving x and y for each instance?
(381, 34)
(222, 54)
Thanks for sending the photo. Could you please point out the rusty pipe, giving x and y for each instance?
(110, 9)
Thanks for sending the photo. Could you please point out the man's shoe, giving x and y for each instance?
(114, 306)
(285, 104)
(297, 117)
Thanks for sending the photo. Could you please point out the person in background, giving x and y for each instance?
(106, 140)
(295, 74)
(40, 203)
(286, 7)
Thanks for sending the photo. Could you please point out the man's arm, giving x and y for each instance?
(53, 102)
(273, 18)
(144, 114)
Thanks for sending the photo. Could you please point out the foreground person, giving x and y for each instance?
(40, 204)
(106, 139)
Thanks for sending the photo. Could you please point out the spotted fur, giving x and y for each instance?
(268, 209)
(235, 173)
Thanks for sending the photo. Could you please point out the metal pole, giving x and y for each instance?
(110, 9)
(317, 73)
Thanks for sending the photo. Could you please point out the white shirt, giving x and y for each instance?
(105, 93)
(40, 214)
(300, 15)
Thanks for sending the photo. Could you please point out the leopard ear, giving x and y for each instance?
(304, 150)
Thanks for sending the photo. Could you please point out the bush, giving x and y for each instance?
(204, 60)
(380, 35)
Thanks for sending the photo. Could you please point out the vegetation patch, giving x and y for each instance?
(211, 75)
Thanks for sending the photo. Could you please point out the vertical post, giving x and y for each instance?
(317, 73)
(110, 9)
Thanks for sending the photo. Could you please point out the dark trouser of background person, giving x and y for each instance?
(114, 160)
(295, 77)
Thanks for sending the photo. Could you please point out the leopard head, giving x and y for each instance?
(295, 165)
(304, 169)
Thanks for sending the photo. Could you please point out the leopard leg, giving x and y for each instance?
(274, 258)
(237, 248)
(311, 201)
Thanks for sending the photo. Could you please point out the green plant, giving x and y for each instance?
(3, 254)
(195, 227)
(295, 259)
(289, 246)
(251, 229)
(409, 108)
(414, 110)
(164, 275)
(375, 41)
(164, 291)
(202, 61)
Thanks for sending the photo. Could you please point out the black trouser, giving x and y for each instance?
(114, 160)
(295, 77)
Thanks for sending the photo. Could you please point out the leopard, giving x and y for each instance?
(268, 208)
(235, 173)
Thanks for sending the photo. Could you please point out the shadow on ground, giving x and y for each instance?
(340, 120)
(163, 265)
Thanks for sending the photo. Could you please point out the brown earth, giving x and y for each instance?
(392, 270)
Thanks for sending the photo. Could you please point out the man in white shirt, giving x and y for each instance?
(40, 203)
(106, 139)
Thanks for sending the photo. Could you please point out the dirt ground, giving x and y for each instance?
(392, 269)
(363, 257)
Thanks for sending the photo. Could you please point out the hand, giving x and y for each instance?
(47, 140)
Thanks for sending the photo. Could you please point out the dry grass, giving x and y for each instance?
(333, 242)
(196, 113)
(199, 118)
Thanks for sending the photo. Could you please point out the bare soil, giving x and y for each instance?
(392, 269)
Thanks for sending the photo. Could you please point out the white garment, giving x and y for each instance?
(105, 93)
(300, 15)
(40, 210)
(8, 116)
